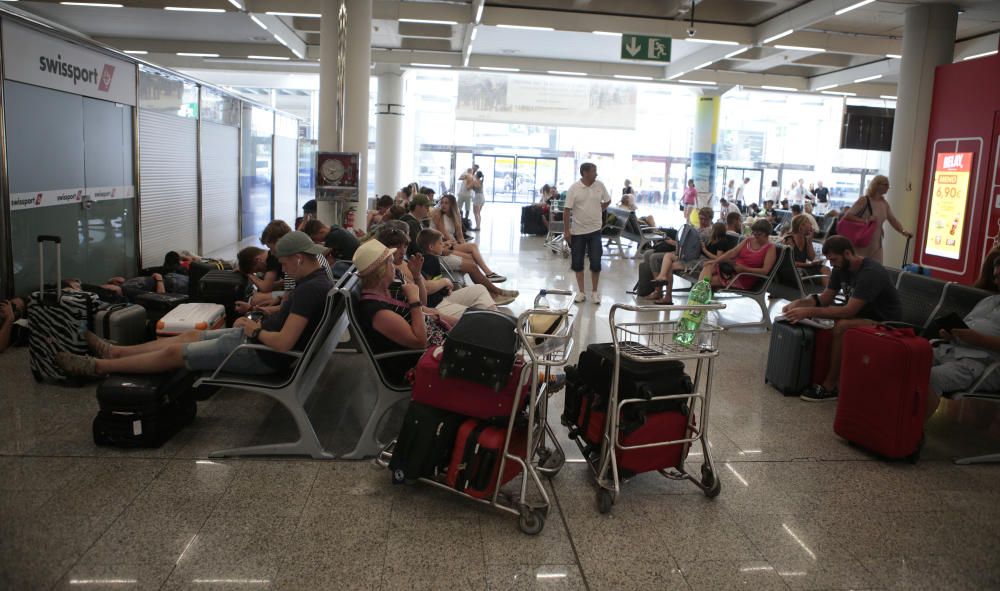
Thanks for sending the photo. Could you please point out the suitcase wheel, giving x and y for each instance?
(398, 476)
(713, 486)
(604, 500)
(531, 522)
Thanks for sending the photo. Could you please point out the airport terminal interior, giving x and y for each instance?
(136, 128)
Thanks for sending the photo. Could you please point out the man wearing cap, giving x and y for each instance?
(287, 330)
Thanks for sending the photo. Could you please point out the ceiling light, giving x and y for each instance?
(136, 51)
(94, 4)
(418, 65)
(893, 56)
(978, 55)
(867, 78)
(298, 14)
(267, 57)
(426, 22)
(259, 23)
(564, 73)
(496, 69)
(475, 31)
(189, 9)
(279, 39)
(781, 88)
(526, 27)
(828, 87)
(801, 48)
(677, 75)
(189, 54)
(712, 41)
(479, 12)
(237, 4)
(297, 53)
(778, 36)
(887, 97)
(704, 65)
(737, 52)
(840, 93)
(852, 7)
(701, 82)
(624, 77)
(608, 33)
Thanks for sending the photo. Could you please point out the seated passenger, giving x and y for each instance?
(445, 219)
(871, 298)
(799, 239)
(274, 277)
(734, 225)
(10, 312)
(675, 261)
(959, 363)
(416, 218)
(341, 242)
(755, 255)
(308, 213)
(382, 205)
(289, 329)
(441, 291)
(987, 279)
(628, 203)
(726, 208)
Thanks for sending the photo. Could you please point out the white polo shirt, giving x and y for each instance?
(586, 205)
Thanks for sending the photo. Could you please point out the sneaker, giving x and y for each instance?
(98, 346)
(77, 365)
(556, 383)
(510, 292)
(494, 278)
(502, 299)
(817, 393)
(580, 297)
(595, 297)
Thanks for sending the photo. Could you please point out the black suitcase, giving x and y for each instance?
(197, 270)
(158, 305)
(143, 410)
(789, 358)
(531, 221)
(481, 348)
(58, 320)
(223, 287)
(423, 447)
(123, 324)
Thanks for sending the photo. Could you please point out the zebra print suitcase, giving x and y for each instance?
(58, 320)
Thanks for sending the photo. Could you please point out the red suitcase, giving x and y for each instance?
(462, 396)
(822, 340)
(660, 426)
(475, 460)
(884, 377)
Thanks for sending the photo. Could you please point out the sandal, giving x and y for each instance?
(659, 282)
(664, 302)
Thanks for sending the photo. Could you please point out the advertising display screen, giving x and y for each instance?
(949, 195)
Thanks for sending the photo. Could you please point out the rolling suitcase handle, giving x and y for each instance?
(44, 298)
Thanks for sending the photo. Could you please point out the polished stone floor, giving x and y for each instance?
(799, 508)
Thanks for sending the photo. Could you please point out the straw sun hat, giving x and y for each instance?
(370, 256)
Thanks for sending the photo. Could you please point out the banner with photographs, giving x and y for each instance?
(538, 100)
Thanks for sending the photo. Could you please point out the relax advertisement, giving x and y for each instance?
(949, 195)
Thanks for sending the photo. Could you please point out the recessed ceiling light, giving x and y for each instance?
(565, 73)
(678, 75)
(867, 78)
(189, 9)
(425, 21)
(893, 56)
(419, 65)
(237, 4)
(979, 55)
(700, 82)
(479, 12)
(298, 14)
(887, 97)
(781, 88)
(94, 4)
(801, 48)
(704, 65)
(268, 57)
(496, 69)
(475, 31)
(526, 27)
(852, 7)
(279, 40)
(191, 54)
(778, 36)
(299, 55)
(136, 51)
(737, 52)
(624, 77)
(712, 41)
(608, 33)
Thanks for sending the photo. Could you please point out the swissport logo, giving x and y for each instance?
(106, 76)
(64, 69)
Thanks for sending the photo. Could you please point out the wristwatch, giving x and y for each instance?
(416, 304)
(256, 333)
(815, 298)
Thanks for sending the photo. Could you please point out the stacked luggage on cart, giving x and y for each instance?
(478, 414)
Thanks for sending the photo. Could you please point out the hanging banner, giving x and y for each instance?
(539, 100)
(78, 196)
(949, 196)
(36, 58)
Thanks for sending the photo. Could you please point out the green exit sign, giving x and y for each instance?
(645, 48)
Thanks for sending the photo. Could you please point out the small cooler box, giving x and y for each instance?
(187, 317)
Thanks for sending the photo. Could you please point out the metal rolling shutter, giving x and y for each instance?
(286, 159)
(220, 199)
(168, 185)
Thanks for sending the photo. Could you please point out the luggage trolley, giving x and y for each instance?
(646, 342)
(555, 238)
(544, 351)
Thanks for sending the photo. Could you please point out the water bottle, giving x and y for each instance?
(543, 302)
(687, 326)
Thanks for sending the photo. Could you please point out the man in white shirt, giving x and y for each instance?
(586, 199)
(741, 193)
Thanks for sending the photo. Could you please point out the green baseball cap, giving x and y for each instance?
(296, 242)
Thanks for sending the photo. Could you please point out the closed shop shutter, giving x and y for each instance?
(219, 186)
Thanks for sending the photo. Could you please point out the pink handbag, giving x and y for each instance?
(859, 233)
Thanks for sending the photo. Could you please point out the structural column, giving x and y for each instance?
(345, 63)
(388, 129)
(928, 42)
(704, 147)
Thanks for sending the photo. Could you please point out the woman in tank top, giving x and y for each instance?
(756, 255)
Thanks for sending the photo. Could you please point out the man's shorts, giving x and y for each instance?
(586, 244)
(949, 374)
(452, 262)
(213, 348)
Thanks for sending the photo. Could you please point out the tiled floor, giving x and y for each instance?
(799, 508)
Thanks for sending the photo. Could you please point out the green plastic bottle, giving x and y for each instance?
(701, 293)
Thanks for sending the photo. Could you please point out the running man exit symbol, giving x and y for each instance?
(645, 48)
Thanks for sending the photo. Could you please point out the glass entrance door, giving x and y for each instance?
(515, 179)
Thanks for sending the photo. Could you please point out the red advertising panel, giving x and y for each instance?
(949, 196)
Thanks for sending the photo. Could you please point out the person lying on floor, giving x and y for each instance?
(290, 329)
(11, 311)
